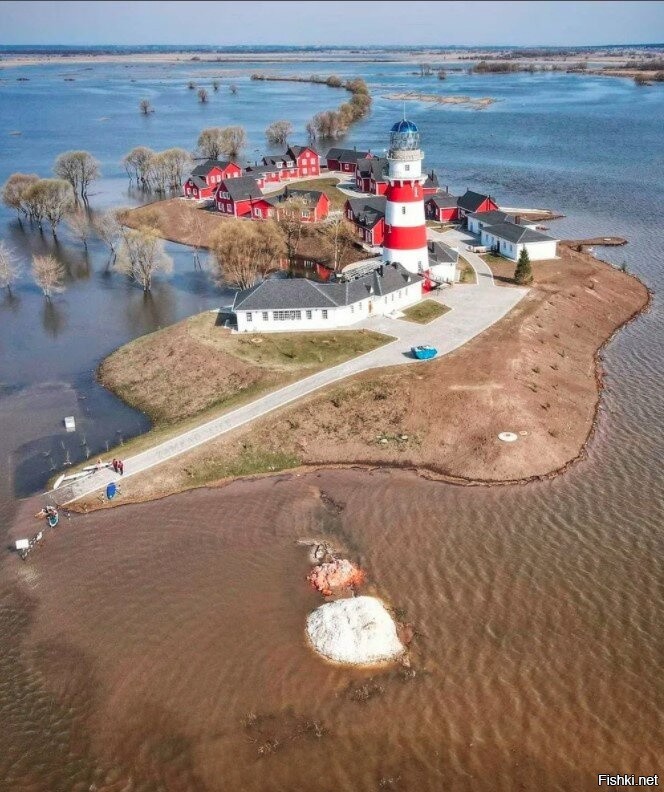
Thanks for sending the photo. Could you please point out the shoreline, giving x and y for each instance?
(424, 470)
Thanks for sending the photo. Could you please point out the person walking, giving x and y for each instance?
(121, 467)
(115, 465)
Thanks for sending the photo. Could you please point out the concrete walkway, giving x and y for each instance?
(474, 309)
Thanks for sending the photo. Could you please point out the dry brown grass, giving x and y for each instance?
(176, 373)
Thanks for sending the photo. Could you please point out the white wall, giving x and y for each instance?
(336, 317)
(540, 251)
(444, 272)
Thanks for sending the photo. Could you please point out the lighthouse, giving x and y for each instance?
(405, 238)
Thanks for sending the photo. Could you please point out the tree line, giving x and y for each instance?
(332, 124)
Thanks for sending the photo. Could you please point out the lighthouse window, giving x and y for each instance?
(403, 210)
(407, 167)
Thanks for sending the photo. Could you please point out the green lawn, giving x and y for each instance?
(425, 311)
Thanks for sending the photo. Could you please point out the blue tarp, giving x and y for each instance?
(111, 490)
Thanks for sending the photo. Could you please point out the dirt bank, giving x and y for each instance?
(536, 373)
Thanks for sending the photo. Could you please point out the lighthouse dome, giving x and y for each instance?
(404, 126)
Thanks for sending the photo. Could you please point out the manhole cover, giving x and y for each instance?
(508, 437)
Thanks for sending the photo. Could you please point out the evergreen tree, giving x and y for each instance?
(523, 274)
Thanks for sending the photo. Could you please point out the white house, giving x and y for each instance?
(509, 239)
(479, 220)
(443, 261)
(286, 304)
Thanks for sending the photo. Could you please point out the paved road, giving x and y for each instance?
(474, 309)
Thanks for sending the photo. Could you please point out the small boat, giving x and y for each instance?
(59, 481)
(424, 352)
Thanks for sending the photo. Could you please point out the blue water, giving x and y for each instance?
(588, 146)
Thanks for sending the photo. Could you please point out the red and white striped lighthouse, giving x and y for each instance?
(405, 228)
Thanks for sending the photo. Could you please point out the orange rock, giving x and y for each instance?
(338, 574)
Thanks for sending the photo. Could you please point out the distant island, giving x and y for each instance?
(468, 101)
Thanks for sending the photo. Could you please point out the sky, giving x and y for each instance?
(308, 22)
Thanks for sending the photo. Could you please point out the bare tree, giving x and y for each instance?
(193, 220)
(107, 228)
(339, 236)
(50, 199)
(442, 74)
(330, 124)
(233, 89)
(14, 192)
(79, 226)
(137, 165)
(311, 130)
(234, 141)
(80, 169)
(191, 85)
(49, 275)
(215, 141)
(210, 142)
(215, 85)
(202, 95)
(10, 269)
(145, 107)
(277, 133)
(245, 252)
(290, 219)
(141, 255)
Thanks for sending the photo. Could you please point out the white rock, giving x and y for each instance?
(357, 631)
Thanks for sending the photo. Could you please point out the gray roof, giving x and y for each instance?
(260, 170)
(368, 211)
(444, 199)
(492, 217)
(274, 159)
(519, 234)
(346, 155)
(440, 253)
(311, 197)
(241, 188)
(294, 293)
(431, 180)
(375, 167)
(198, 181)
(295, 151)
(471, 201)
(205, 167)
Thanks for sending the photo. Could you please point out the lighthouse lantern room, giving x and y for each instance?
(405, 227)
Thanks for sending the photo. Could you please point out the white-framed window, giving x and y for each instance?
(286, 316)
(324, 313)
(266, 316)
(308, 314)
(305, 171)
(352, 309)
(257, 212)
(249, 316)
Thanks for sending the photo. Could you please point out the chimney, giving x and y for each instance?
(381, 272)
(517, 220)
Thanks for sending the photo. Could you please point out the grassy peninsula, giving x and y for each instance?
(536, 372)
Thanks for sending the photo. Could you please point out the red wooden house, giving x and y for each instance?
(235, 196)
(340, 159)
(317, 205)
(475, 202)
(264, 174)
(368, 217)
(430, 186)
(442, 207)
(371, 175)
(306, 158)
(205, 177)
